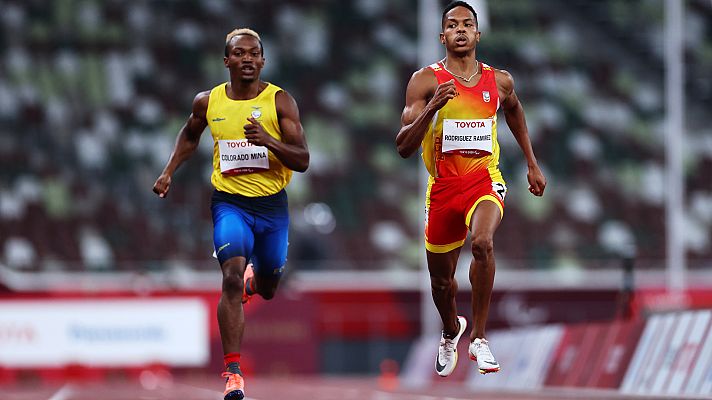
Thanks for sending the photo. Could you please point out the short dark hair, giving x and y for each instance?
(458, 3)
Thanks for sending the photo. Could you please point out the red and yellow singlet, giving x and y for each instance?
(473, 103)
(461, 154)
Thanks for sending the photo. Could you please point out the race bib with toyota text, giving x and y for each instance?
(241, 157)
(468, 137)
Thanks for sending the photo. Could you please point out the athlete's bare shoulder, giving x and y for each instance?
(286, 104)
(425, 73)
(424, 77)
(420, 90)
(505, 81)
(202, 99)
(200, 104)
(284, 96)
(422, 85)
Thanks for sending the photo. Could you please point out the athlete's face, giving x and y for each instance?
(460, 32)
(245, 58)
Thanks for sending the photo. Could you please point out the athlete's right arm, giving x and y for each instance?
(423, 98)
(186, 143)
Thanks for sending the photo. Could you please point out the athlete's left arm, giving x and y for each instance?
(514, 114)
(292, 150)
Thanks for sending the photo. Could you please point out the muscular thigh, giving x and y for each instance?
(442, 265)
(451, 203)
(232, 232)
(445, 227)
(271, 242)
(485, 219)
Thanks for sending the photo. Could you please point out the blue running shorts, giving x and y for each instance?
(252, 227)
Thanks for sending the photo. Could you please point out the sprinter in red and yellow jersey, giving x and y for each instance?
(258, 141)
(451, 112)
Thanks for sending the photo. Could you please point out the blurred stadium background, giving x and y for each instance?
(93, 93)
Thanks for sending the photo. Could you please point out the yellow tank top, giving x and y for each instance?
(474, 107)
(226, 118)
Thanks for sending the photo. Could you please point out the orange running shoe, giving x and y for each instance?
(249, 273)
(234, 386)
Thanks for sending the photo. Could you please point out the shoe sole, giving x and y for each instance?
(235, 395)
(463, 325)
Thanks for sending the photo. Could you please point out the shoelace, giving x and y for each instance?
(446, 347)
(229, 375)
(484, 351)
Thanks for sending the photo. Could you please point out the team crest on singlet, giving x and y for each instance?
(256, 112)
(486, 96)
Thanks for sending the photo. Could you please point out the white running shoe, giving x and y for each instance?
(479, 351)
(447, 351)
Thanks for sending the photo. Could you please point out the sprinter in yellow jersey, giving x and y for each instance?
(451, 111)
(258, 142)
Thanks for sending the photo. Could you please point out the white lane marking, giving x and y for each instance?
(63, 393)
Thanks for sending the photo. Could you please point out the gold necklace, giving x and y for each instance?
(477, 69)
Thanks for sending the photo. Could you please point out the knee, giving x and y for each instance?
(232, 284)
(482, 246)
(440, 284)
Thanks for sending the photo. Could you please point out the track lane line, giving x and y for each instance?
(63, 393)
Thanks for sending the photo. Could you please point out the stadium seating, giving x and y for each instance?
(92, 95)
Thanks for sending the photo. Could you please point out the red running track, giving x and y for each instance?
(293, 388)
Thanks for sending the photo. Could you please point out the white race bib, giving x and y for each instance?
(241, 157)
(467, 137)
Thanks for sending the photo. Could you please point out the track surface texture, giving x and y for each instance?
(293, 388)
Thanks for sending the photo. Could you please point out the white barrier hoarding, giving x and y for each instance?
(684, 362)
(104, 332)
(700, 381)
(671, 348)
(527, 354)
(640, 358)
(649, 354)
(672, 356)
